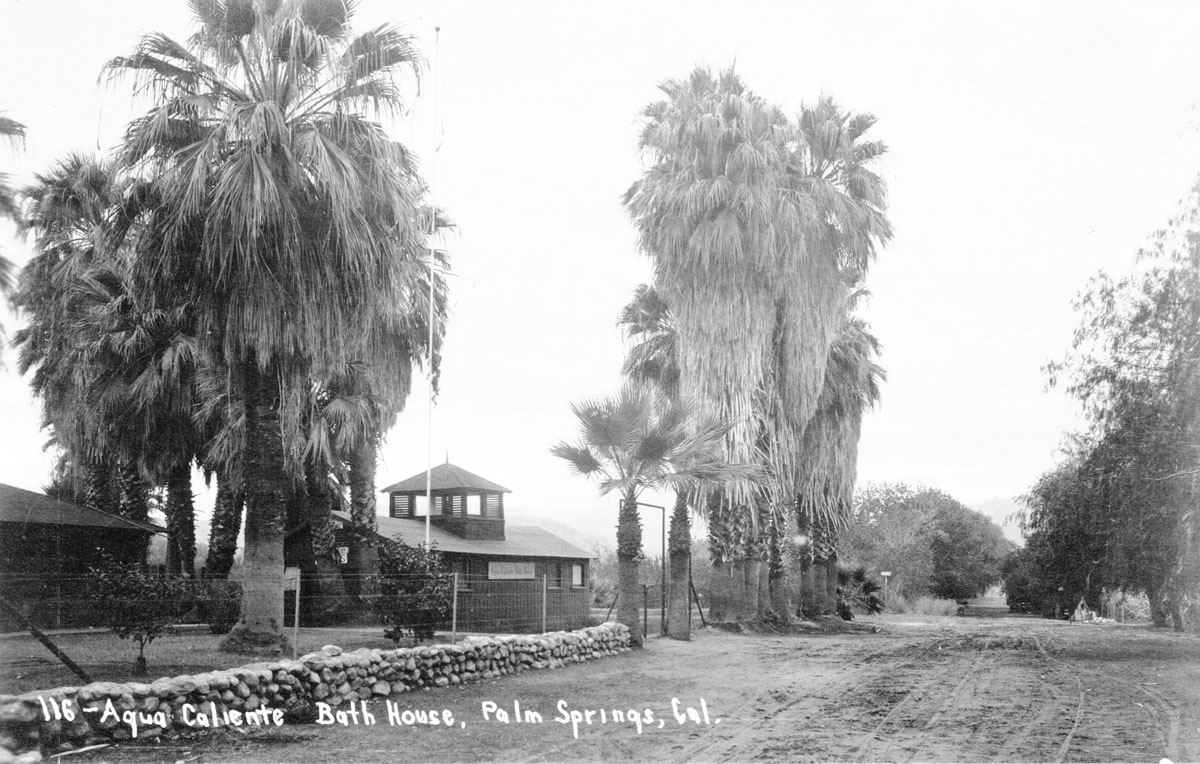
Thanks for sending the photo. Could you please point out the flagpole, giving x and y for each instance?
(437, 33)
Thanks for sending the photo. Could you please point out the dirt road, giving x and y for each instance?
(920, 689)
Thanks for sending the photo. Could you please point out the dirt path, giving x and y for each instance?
(920, 689)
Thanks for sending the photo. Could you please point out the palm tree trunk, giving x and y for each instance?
(721, 594)
(629, 553)
(364, 540)
(298, 551)
(181, 522)
(133, 503)
(754, 571)
(98, 493)
(745, 572)
(679, 545)
(805, 608)
(760, 581)
(329, 596)
(226, 526)
(777, 571)
(260, 629)
(831, 581)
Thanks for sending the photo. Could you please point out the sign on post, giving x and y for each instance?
(291, 583)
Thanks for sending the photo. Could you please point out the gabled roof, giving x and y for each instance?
(446, 477)
(519, 540)
(27, 507)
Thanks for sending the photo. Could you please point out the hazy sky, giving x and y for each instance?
(1031, 144)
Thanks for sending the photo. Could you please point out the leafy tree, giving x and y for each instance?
(136, 604)
(889, 529)
(1120, 511)
(1024, 589)
(415, 592)
(928, 540)
(968, 552)
(287, 219)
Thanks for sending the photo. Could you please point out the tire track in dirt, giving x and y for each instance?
(1016, 745)
(951, 700)
(875, 748)
(748, 740)
(1163, 713)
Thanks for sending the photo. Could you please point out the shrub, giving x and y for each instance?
(135, 604)
(414, 592)
(858, 592)
(220, 604)
(934, 606)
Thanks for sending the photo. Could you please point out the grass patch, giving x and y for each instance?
(27, 665)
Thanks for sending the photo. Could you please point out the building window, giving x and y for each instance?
(576, 574)
(401, 505)
(492, 506)
(474, 505)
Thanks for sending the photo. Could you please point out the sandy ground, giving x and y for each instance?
(919, 689)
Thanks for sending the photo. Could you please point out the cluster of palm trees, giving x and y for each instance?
(245, 285)
(761, 228)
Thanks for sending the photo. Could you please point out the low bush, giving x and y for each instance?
(414, 591)
(933, 606)
(220, 604)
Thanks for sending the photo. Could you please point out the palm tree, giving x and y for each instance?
(830, 456)
(74, 276)
(647, 320)
(634, 441)
(14, 132)
(753, 222)
(284, 217)
(225, 527)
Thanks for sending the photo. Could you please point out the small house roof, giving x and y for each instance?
(446, 477)
(519, 540)
(27, 507)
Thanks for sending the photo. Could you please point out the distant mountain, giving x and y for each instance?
(1001, 510)
(580, 537)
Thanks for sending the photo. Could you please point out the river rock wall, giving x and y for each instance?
(64, 718)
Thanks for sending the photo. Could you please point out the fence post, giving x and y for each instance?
(645, 610)
(454, 612)
(544, 578)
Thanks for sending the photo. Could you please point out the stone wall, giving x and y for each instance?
(282, 691)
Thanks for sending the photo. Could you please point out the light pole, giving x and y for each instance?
(662, 617)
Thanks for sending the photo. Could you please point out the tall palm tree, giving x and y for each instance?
(647, 321)
(635, 441)
(829, 458)
(284, 218)
(73, 277)
(753, 221)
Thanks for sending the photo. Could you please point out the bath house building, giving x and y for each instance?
(507, 573)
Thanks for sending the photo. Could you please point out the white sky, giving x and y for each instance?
(1031, 145)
